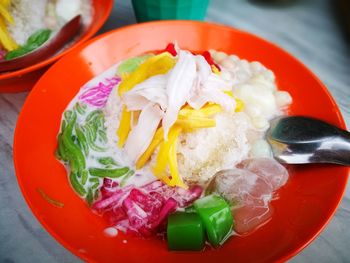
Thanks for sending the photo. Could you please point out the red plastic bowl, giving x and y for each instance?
(24, 79)
(303, 208)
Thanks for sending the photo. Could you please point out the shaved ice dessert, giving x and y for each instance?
(174, 140)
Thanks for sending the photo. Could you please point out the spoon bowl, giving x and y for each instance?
(300, 140)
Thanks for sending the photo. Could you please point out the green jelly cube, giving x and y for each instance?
(190, 209)
(185, 232)
(217, 218)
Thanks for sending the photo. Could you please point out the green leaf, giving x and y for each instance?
(39, 37)
(33, 42)
(19, 52)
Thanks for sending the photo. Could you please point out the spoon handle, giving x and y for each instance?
(299, 139)
(343, 154)
(335, 150)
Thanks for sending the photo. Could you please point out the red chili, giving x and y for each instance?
(209, 59)
(171, 49)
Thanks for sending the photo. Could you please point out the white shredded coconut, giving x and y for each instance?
(28, 16)
(112, 112)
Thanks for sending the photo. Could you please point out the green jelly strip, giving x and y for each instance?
(68, 114)
(94, 180)
(102, 134)
(79, 189)
(90, 197)
(111, 173)
(126, 177)
(80, 108)
(61, 152)
(63, 125)
(94, 186)
(93, 114)
(90, 134)
(82, 140)
(84, 177)
(74, 154)
(49, 199)
(107, 161)
(96, 194)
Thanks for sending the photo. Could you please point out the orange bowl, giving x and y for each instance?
(304, 206)
(24, 79)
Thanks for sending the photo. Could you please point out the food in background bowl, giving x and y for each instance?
(173, 142)
(24, 79)
(26, 26)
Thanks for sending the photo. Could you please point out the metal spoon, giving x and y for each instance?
(298, 139)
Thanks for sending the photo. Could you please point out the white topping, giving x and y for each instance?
(257, 66)
(219, 56)
(283, 99)
(68, 9)
(228, 63)
(260, 96)
(261, 148)
(142, 134)
(150, 90)
(252, 111)
(111, 232)
(260, 123)
(180, 83)
(191, 80)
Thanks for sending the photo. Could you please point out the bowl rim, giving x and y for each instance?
(86, 36)
(77, 50)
